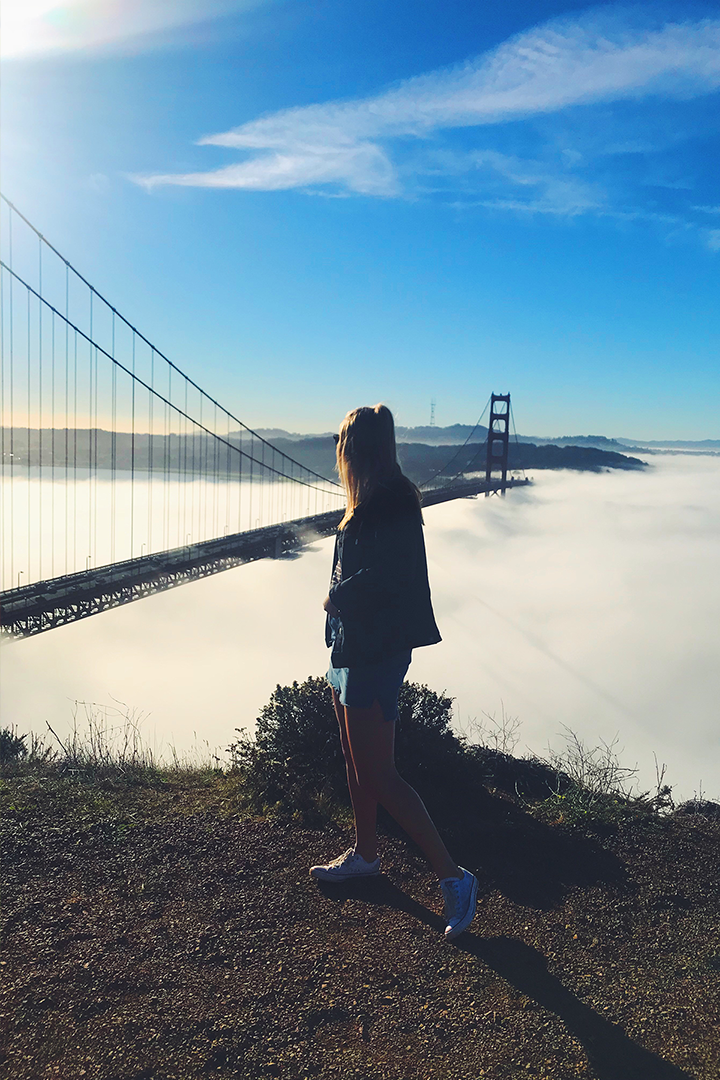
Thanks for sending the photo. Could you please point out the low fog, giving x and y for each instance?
(588, 602)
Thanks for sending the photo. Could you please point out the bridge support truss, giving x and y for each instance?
(498, 441)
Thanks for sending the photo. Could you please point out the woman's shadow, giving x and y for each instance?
(611, 1053)
(529, 862)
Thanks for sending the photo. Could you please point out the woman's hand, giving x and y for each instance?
(330, 608)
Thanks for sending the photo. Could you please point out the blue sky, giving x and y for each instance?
(312, 205)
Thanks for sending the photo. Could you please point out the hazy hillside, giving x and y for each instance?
(456, 434)
(420, 461)
(432, 435)
(184, 454)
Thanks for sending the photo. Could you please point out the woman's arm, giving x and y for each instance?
(391, 567)
(330, 608)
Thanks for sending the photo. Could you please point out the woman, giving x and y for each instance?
(378, 610)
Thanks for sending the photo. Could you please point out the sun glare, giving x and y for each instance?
(32, 26)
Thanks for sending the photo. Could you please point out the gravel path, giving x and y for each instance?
(181, 944)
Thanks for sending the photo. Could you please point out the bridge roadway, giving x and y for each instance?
(43, 605)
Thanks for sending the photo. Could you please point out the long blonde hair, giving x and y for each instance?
(366, 455)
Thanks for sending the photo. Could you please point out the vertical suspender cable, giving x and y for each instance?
(227, 477)
(67, 416)
(192, 487)
(93, 446)
(29, 460)
(261, 519)
(40, 416)
(113, 448)
(3, 420)
(12, 412)
(150, 450)
(91, 439)
(240, 480)
(165, 473)
(75, 388)
(252, 462)
(168, 458)
(52, 455)
(185, 468)
(215, 478)
(200, 457)
(132, 454)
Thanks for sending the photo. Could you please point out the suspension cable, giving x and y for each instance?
(142, 337)
(179, 411)
(459, 451)
(515, 436)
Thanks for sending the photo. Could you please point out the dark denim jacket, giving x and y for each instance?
(383, 594)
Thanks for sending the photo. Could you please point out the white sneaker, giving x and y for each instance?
(460, 896)
(348, 865)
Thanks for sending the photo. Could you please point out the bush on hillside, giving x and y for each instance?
(699, 807)
(294, 767)
(23, 753)
(295, 763)
(12, 746)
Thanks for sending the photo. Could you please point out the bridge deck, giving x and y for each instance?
(44, 605)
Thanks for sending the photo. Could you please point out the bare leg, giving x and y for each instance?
(371, 742)
(364, 803)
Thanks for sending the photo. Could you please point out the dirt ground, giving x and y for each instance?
(185, 942)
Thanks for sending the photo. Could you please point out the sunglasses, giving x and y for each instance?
(336, 438)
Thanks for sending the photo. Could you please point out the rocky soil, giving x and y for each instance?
(162, 936)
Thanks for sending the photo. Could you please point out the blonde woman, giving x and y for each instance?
(378, 611)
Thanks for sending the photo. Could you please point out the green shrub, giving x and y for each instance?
(294, 767)
(12, 747)
(292, 764)
(597, 788)
(16, 756)
(295, 762)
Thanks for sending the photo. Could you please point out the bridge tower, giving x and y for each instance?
(498, 439)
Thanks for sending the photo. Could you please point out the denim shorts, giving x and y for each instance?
(359, 687)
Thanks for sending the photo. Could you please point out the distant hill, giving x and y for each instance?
(179, 453)
(677, 444)
(421, 461)
(440, 436)
(272, 434)
(600, 442)
(430, 435)
(456, 434)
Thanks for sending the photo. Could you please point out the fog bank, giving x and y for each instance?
(588, 600)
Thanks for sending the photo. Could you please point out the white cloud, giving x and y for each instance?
(713, 239)
(550, 68)
(36, 27)
(548, 191)
(372, 172)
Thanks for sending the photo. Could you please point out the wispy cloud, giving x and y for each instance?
(537, 186)
(35, 27)
(359, 146)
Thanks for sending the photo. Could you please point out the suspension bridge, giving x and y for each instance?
(121, 476)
